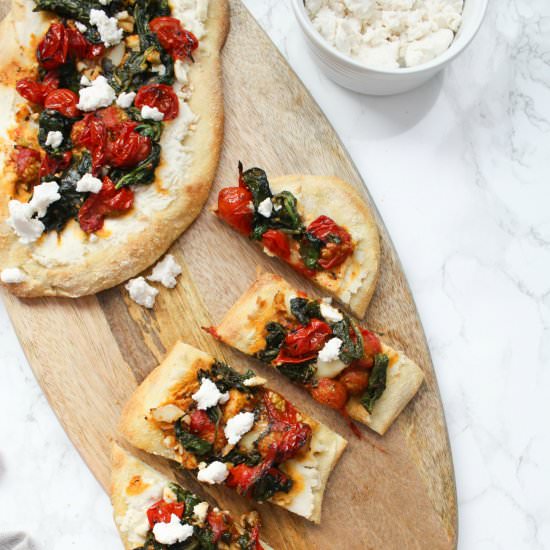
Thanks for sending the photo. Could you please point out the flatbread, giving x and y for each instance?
(179, 370)
(243, 328)
(71, 264)
(137, 485)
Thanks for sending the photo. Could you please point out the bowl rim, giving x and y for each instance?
(445, 57)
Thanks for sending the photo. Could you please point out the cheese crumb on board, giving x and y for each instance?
(166, 271)
(141, 292)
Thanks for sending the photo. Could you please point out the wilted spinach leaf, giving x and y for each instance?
(272, 482)
(273, 341)
(377, 381)
(305, 310)
(310, 250)
(255, 180)
(252, 458)
(302, 373)
(191, 442)
(52, 121)
(226, 378)
(143, 173)
(351, 348)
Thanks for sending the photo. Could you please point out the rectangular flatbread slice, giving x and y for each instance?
(230, 429)
(145, 502)
(313, 343)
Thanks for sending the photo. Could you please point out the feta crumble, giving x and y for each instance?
(141, 292)
(99, 94)
(331, 314)
(200, 511)
(54, 139)
(12, 275)
(85, 81)
(151, 113)
(43, 195)
(21, 220)
(80, 26)
(265, 208)
(180, 71)
(107, 27)
(216, 472)
(237, 426)
(172, 532)
(159, 69)
(330, 350)
(166, 271)
(208, 395)
(89, 184)
(125, 99)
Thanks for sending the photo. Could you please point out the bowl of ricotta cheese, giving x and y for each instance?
(385, 47)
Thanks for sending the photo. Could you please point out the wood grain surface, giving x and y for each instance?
(89, 354)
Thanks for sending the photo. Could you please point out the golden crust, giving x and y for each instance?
(115, 263)
(243, 328)
(179, 369)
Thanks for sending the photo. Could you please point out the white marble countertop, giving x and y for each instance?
(460, 170)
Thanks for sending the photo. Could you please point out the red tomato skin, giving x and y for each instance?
(177, 41)
(160, 96)
(332, 254)
(331, 393)
(27, 164)
(202, 426)
(371, 343)
(51, 165)
(125, 147)
(277, 243)
(161, 512)
(63, 101)
(235, 208)
(52, 49)
(355, 380)
(80, 48)
(304, 344)
(31, 90)
(218, 522)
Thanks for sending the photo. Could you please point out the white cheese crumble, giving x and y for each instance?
(265, 208)
(21, 220)
(99, 94)
(254, 381)
(159, 68)
(89, 184)
(151, 113)
(180, 71)
(172, 532)
(43, 195)
(387, 34)
(208, 395)
(85, 81)
(54, 139)
(141, 292)
(166, 271)
(237, 426)
(80, 26)
(109, 31)
(12, 275)
(104, 2)
(331, 314)
(122, 14)
(125, 99)
(215, 472)
(200, 511)
(330, 350)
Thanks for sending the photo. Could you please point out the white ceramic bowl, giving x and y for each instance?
(355, 76)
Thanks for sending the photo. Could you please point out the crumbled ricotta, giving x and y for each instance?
(109, 31)
(265, 208)
(237, 426)
(12, 275)
(43, 195)
(387, 34)
(125, 99)
(330, 350)
(141, 292)
(172, 532)
(200, 511)
(99, 94)
(80, 26)
(54, 139)
(208, 395)
(166, 271)
(151, 113)
(331, 314)
(21, 220)
(216, 472)
(89, 184)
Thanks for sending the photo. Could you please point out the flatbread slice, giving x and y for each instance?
(137, 488)
(72, 261)
(383, 378)
(184, 409)
(319, 225)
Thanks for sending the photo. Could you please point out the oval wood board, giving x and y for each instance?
(89, 354)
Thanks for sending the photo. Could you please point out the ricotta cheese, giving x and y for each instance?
(331, 314)
(125, 99)
(215, 473)
(166, 271)
(172, 532)
(330, 350)
(151, 113)
(109, 31)
(208, 395)
(141, 292)
(265, 208)
(54, 139)
(99, 94)
(387, 34)
(237, 426)
(12, 275)
(89, 184)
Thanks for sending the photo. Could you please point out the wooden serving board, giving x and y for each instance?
(89, 354)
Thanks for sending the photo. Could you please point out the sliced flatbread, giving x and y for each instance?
(71, 263)
(243, 328)
(176, 379)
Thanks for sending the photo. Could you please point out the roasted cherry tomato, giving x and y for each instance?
(331, 393)
(80, 48)
(277, 243)
(371, 343)
(126, 147)
(337, 241)
(202, 426)
(235, 208)
(219, 522)
(160, 96)
(355, 380)
(63, 101)
(97, 206)
(304, 343)
(255, 538)
(91, 132)
(285, 440)
(27, 164)
(51, 165)
(161, 512)
(52, 49)
(31, 90)
(177, 41)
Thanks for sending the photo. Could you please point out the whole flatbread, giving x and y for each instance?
(178, 370)
(70, 264)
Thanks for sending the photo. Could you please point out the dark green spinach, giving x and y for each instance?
(302, 373)
(226, 378)
(274, 481)
(352, 347)
(52, 121)
(377, 381)
(305, 310)
(191, 442)
(273, 341)
(143, 173)
(310, 250)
